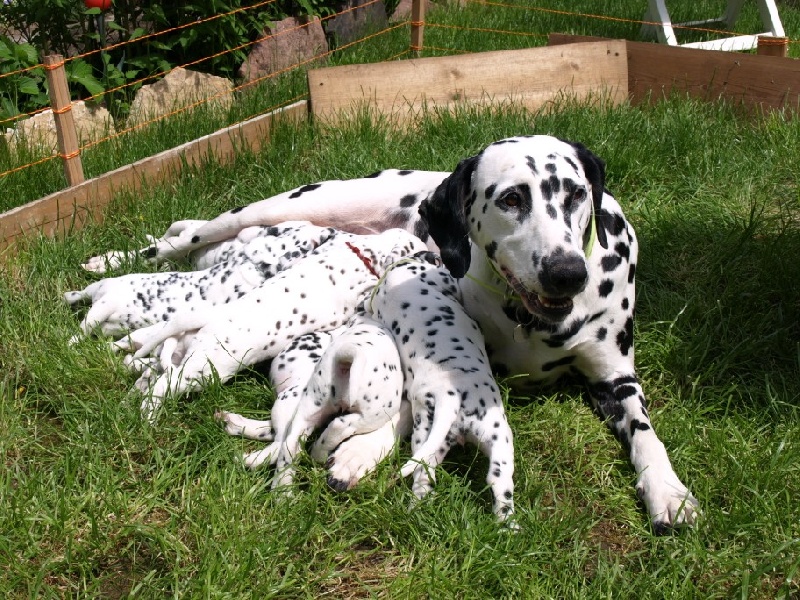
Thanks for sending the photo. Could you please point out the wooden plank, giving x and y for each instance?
(64, 120)
(68, 210)
(531, 77)
(656, 70)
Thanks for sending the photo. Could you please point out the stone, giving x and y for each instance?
(287, 43)
(356, 22)
(92, 122)
(403, 10)
(181, 87)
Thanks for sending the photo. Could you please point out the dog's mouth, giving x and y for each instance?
(546, 307)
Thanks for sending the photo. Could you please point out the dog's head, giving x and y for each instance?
(531, 204)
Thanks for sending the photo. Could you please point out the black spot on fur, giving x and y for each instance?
(637, 425)
(605, 288)
(625, 337)
(306, 188)
(408, 200)
(610, 262)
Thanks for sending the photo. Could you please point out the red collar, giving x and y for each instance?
(363, 258)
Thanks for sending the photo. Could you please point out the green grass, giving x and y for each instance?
(95, 503)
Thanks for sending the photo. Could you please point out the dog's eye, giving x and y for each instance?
(579, 195)
(512, 200)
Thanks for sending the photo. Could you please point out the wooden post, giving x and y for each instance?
(65, 123)
(772, 46)
(417, 25)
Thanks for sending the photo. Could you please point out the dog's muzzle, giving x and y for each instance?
(563, 275)
(561, 278)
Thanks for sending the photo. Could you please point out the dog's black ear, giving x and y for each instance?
(595, 170)
(445, 214)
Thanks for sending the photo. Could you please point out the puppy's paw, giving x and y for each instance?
(106, 262)
(357, 456)
(268, 455)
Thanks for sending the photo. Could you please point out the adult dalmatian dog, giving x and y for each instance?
(546, 265)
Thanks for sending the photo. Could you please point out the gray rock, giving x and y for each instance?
(178, 89)
(287, 43)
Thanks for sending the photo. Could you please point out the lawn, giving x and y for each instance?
(96, 503)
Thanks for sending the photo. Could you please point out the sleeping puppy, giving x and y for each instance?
(129, 302)
(319, 293)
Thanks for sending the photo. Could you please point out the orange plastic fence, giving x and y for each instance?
(489, 3)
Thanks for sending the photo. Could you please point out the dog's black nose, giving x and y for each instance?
(563, 274)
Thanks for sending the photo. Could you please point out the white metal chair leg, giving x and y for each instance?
(658, 21)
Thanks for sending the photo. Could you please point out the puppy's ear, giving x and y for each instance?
(595, 169)
(445, 215)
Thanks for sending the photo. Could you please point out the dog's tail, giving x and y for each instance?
(353, 370)
(446, 409)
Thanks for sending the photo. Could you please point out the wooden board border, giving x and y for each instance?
(68, 210)
(530, 77)
(758, 82)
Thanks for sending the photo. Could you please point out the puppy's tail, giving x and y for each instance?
(445, 413)
(355, 367)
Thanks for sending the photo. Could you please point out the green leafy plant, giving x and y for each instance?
(22, 89)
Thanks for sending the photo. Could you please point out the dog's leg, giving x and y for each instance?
(251, 429)
(343, 428)
(434, 416)
(668, 501)
(186, 377)
(430, 436)
(358, 456)
(174, 244)
(496, 441)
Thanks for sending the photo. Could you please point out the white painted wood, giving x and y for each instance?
(659, 24)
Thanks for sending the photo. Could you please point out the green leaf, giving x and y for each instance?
(137, 33)
(29, 86)
(27, 54)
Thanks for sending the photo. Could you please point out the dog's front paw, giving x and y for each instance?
(669, 503)
(357, 456)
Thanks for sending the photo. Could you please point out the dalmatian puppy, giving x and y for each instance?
(129, 302)
(359, 379)
(318, 293)
(290, 371)
(448, 380)
(546, 264)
